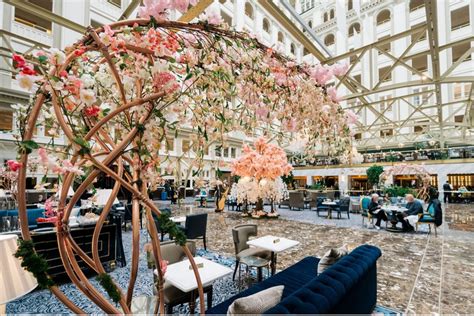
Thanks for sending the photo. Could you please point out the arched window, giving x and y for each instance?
(354, 29)
(310, 24)
(331, 14)
(329, 39)
(416, 4)
(266, 25)
(293, 49)
(350, 5)
(325, 17)
(383, 17)
(280, 37)
(249, 10)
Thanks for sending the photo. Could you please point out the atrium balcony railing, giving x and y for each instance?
(392, 156)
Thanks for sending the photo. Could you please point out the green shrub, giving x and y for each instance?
(373, 174)
(395, 191)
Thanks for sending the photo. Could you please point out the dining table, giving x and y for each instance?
(332, 205)
(273, 244)
(394, 210)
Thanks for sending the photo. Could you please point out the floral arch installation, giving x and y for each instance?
(408, 169)
(124, 88)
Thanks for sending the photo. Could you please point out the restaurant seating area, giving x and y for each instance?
(291, 264)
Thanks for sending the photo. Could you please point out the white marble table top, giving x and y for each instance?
(178, 219)
(181, 276)
(273, 243)
(393, 208)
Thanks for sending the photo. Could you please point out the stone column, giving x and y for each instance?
(239, 15)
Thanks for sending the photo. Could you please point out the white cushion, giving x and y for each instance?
(257, 303)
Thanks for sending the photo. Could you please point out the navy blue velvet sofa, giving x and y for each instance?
(347, 287)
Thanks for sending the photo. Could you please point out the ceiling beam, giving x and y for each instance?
(47, 15)
(432, 20)
(285, 21)
(415, 30)
(194, 11)
(129, 10)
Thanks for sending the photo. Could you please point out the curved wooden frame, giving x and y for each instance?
(114, 155)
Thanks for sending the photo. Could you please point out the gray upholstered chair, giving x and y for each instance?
(241, 234)
(173, 253)
(297, 200)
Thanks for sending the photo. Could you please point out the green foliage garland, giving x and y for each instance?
(166, 225)
(34, 263)
(109, 286)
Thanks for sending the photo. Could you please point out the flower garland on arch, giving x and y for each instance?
(122, 89)
(386, 177)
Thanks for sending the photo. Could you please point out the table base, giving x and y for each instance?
(395, 229)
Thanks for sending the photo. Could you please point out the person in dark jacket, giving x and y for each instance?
(436, 204)
(374, 209)
(414, 207)
(447, 188)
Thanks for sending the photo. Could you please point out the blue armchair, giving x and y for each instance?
(428, 218)
(364, 205)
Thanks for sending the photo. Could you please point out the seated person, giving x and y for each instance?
(414, 207)
(386, 199)
(374, 209)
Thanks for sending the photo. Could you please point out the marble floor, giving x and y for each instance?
(417, 273)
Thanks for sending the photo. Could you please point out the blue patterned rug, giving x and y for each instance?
(43, 302)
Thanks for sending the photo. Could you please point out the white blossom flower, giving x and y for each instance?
(26, 81)
(87, 96)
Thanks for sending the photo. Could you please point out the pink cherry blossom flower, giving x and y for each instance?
(339, 69)
(108, 30)
(321, 74)
(212, 17)
(352, 118)
(14, 165)
(180, 5)
(154, 8)
(332, 92)
(163, 266)
(262, 112)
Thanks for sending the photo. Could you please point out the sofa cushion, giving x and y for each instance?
(331, 257)
(293, 278)
(257, 303)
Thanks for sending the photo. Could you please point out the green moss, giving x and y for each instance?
(109, 286)
(34, 263)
